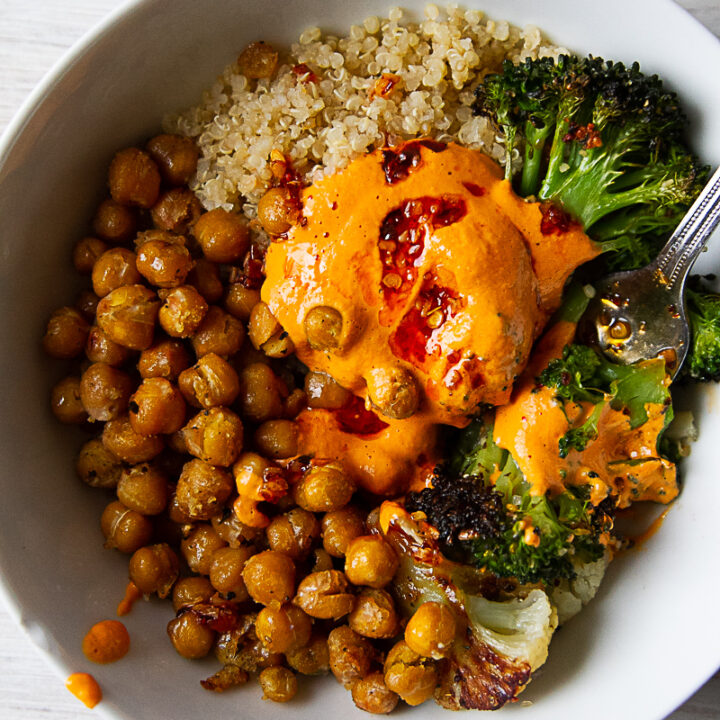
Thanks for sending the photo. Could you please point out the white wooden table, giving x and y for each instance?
(33, 35)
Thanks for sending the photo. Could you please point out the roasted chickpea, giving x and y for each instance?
(372, 695)
(295, 403)
(114, 222)
(324, 488)
(321, 560)
(191, 637)
(215, 436)
(97, 466)
(105, 391)
(226, 571)
(114, 268)
(278, 684)
(232, 531)
(374, 614)
(312, 659)
(260, 393)
(258, 60)
(191, 590)
(431, 630)
(66, 333)
(325, 595)
(283, 629)
(163, 264)
(128, 315)
(210, 382)
(266, 333)
(86, 302)
(134, 178)
(323, 328)
(323, 392)
(86, 252)
(65, 401)
(370, 560)
(166, 359)
(155, 235)
(393, 392)
(175, 513)
(143, 488)
(351, 655)
(124, 529)
(182, 312)
(293, 533)
(277, 439)
(199, 548)
(154, 569)
(340, 528)
(156, 408)
(176, 157)
(223, 236)
(176, 210)
(219, 333)
(205, 278)
(101, 349)
(202, 489)
(410, 675)
(239, 300)
(120, 439)
(270, 578)
(278, 211)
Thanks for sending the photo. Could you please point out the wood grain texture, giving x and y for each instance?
(33, 36)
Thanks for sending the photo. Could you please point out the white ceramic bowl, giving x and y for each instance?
(650, 638)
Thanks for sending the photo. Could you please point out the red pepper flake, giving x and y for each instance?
(384, 86)
(474, 189)
(554, 220)
(586, 135)
(354, 418)
(402, 240)
(219, 616)
(434, 306)
(305, 74)
(399, 162)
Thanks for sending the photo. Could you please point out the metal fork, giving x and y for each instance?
(640, 314)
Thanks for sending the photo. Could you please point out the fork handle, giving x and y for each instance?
(689, 238)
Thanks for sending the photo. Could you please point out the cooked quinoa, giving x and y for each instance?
(325, 118)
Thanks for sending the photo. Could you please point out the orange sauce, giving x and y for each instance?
(85, 688)
(106, 642)
(434, 265)
(621, 460)
(132, 595)
(398, 458)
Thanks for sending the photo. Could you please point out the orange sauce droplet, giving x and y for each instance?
(106, 642)
(132, 595)
(85, 688)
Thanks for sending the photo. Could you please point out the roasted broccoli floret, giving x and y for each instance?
(703, 314)
(581, 374)
(485, 515)
(601, 140)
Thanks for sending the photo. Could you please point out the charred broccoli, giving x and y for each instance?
(582, 375)
(601, 140)
(500, 526)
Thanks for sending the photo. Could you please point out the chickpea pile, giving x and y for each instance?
(181, 376)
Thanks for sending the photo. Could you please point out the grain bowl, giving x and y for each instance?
(54, 157)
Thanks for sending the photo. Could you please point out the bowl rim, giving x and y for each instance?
(24, 114)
